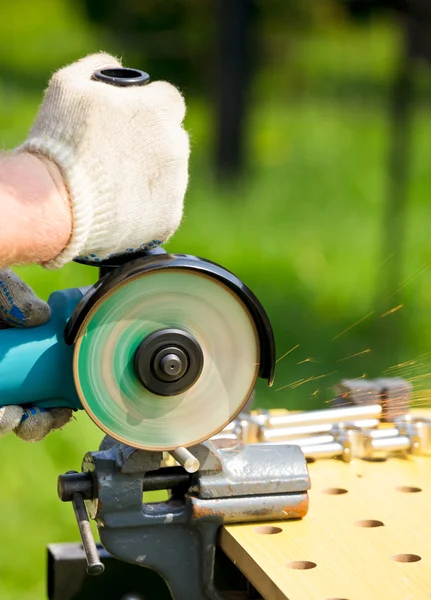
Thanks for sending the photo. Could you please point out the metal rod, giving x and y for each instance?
(366, 423)
(388, 432)
(224, 436)
(94, 565)
(394, 444)
(289, 433)
(398, 443)
(312, 440)
(186, 459)
(388, 436)
(166, 478)
(329, 415)
(323, 450)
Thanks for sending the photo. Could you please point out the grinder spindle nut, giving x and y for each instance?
(168, 362)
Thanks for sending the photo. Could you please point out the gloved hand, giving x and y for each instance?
(19, 307)
(123, 154)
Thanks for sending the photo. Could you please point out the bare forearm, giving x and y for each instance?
(35, 215)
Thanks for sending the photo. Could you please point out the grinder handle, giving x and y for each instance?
(36, 363)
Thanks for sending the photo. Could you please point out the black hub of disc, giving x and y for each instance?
(168, 362)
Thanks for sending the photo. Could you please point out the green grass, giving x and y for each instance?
(303, 231)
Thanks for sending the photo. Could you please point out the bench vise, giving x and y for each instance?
(177, 538)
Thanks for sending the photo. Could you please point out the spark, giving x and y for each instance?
(289, 384)
(424, 400)
(419, 377)
(386, 259)
(392, 310)
(366, 351)
(415, 274)
(309, 359)
(412, 277)
(286, 353)
(408, 363)
(353, 325)
(295, 384)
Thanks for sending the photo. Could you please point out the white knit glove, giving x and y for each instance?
(123, 154)
(19, 307)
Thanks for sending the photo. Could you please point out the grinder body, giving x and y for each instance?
(36, 363)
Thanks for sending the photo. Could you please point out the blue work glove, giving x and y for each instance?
(19, 307)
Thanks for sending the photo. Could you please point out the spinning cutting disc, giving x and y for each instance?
(126, 322)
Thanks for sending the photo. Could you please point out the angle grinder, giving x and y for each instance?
(162, 352)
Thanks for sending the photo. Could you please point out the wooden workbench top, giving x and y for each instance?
(367, 536)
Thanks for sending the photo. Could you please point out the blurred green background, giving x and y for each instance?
(303, 225)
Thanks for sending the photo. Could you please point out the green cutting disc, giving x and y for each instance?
(186, 300)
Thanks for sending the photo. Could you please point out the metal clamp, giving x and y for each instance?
(180, 534)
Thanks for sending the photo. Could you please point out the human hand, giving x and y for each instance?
(123, 155)
(19, 307)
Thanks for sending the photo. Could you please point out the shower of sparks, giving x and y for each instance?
(422, 399)
(309, 359)
(296, 384)
(392, 310)
(366, 351)
(286, 353)
(353, 325)
(419, 377)
(417, 372)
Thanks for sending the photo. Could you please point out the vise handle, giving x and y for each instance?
(74, 487)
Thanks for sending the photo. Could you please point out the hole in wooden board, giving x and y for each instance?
(406, 558)
(408, 489)
(334, 491)
(375, 459)
(301, 565)
(267, 530)
(369, 523)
